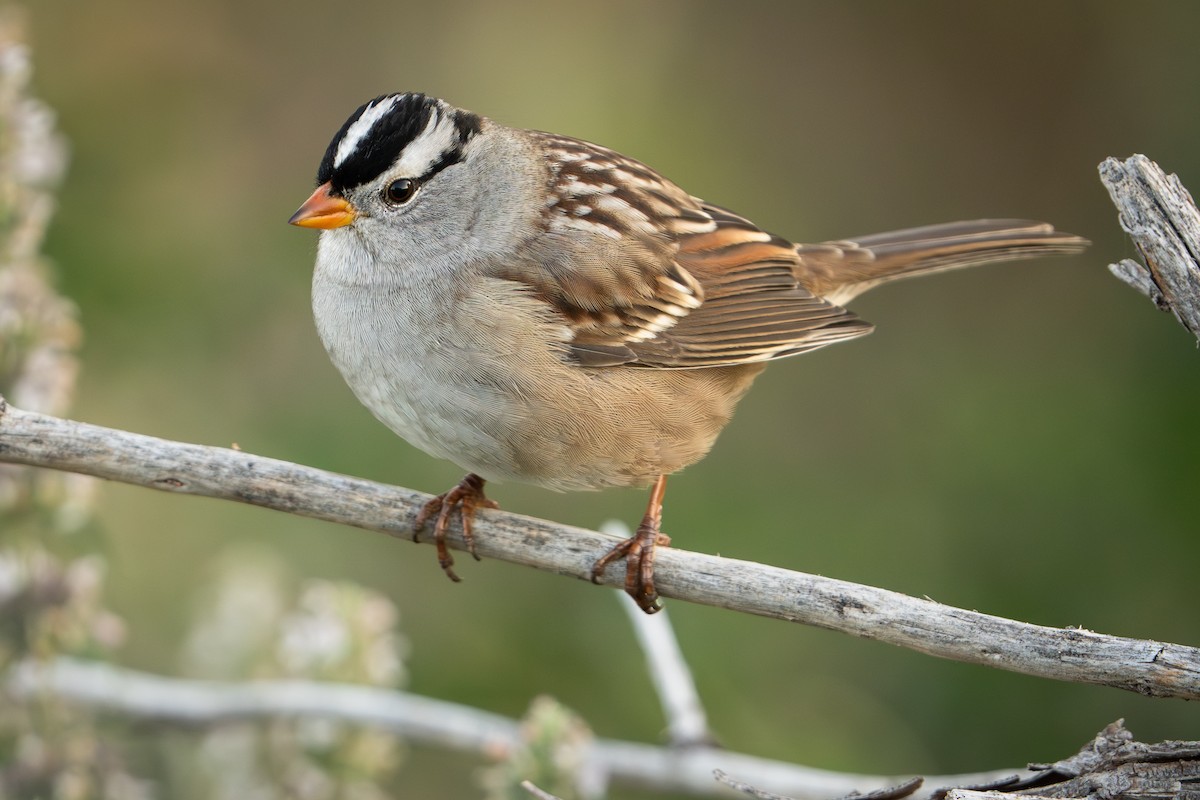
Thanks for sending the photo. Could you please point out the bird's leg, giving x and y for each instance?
(467, 496)
(638, 552)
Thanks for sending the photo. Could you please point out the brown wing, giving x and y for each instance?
(648, 276)
(767, 298)
(754, 307)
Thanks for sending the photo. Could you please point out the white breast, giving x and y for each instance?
(468, 368)
(424, 362)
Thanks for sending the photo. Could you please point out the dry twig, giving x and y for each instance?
(154, 698)
(1068, 654)
(1111, 767)
(687, 724)
(1159, 213)
(536, 792)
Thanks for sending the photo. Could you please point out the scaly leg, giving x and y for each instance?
(467, 496)
(638, 552)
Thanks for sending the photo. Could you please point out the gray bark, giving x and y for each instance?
(1067, 654)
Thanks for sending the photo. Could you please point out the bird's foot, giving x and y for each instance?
(466, 497)
(638, 551)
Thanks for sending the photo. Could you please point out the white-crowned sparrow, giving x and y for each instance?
(541, 309)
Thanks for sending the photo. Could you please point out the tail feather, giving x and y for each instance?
(841, 270)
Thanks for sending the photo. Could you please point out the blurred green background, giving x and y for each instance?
(1018, 440)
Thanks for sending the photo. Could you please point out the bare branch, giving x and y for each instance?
(745, 788)
(1068, 654)
(1111, 766)
(1159, 213)
(901, 790)
(536, 792)
(687, 724)
(148, 697)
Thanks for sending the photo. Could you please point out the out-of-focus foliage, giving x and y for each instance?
(52, 587)
(50, 604)
(48, 749)
(39, 333)
(552, 755)
(247, 628)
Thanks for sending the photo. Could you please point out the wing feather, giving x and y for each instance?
(648, 276)
(645, 275)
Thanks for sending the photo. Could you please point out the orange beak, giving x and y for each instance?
(323, 210)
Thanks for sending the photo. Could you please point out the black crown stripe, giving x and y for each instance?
(388, 138)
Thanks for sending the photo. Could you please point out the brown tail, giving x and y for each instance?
(841, 270)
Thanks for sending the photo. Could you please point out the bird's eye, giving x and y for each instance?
(400, 191)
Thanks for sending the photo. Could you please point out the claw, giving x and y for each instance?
(466, 498)
(638, 552)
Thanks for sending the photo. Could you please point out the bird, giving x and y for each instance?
(538, 308)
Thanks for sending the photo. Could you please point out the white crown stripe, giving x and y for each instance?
(361, 127)
(423, 152)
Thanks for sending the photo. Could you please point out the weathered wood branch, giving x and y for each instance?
(1110, 767)
(1158, 212)
(687, 723)
(536, 792)
(154, 698)
(1068, 654)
